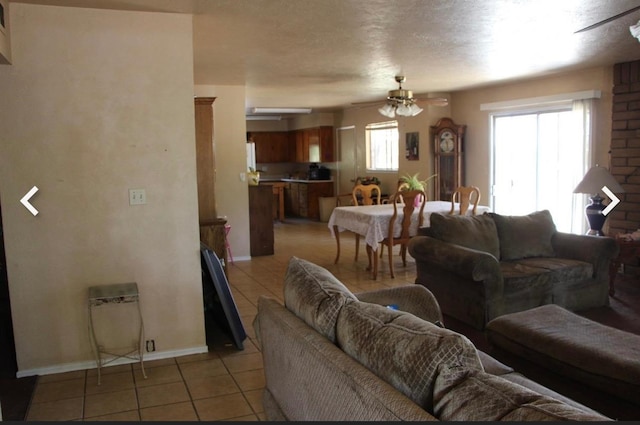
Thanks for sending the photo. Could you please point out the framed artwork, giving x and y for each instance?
(412, 146)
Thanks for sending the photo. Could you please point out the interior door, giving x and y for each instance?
(346, 166)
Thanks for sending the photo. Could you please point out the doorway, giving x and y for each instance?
(346, 166)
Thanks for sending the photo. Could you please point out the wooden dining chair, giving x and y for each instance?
(402, 212)
(365, 194)
(465, 196)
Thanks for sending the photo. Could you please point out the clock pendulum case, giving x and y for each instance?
(448, 143)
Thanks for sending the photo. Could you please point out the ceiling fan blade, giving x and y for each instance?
(597, 24)
(371, 102)
(434, 101)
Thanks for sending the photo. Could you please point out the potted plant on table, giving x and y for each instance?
(412, 182)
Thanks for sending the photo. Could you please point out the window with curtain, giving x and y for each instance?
(382, 146)
(539, 156)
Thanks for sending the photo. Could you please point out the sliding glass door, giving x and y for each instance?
(539, 158)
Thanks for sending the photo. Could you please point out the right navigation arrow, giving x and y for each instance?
(614, 200)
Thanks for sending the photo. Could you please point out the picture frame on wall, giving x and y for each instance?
(412, 146)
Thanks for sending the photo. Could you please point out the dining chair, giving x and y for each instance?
(365, 194)
(402, 186)
(465, 196)
(402, 212)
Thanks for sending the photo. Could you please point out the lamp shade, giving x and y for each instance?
(595, 179)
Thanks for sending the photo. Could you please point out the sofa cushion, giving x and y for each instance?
(526, 235)
(401, 348)
(463, 394)
(476, 232)
(315, 295)
(560, 269)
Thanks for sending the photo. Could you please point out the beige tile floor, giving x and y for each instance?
(225, 383)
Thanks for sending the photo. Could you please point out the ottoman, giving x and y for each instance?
(594, 354)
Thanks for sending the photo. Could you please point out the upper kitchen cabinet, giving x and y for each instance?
(272, 146)
(314, 144)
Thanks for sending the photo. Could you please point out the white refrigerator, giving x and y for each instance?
(251, 156)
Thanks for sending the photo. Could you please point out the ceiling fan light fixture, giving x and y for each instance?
(400, 101)
(387, 110)
(403, 110)
(415, 109)
(635, 30)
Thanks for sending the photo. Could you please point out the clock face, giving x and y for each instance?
(446, 141)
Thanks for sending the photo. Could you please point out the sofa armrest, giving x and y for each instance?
(462, 261)
(414, 299)
(597, 250)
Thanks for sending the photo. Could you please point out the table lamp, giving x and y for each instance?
(592, 184)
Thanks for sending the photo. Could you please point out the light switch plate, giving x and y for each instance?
(137, 197)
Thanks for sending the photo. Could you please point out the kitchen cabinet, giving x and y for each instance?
(261, 237)
(272, 146)
(326, 144)
(314, 144)
(303, 199)
(306, 145)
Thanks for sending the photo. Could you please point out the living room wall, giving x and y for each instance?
(360, 117)
(95, 103)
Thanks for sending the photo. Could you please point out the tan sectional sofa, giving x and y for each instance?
(481, 267)
(330, 355)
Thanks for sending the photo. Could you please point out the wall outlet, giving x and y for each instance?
(150, 345)
(137, 197)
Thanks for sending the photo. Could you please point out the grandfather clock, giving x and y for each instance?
(448, 139)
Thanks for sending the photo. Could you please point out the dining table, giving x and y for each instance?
(372, 222)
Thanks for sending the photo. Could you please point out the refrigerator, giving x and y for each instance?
(251, 156)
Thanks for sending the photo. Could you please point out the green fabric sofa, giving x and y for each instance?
(481, 267)
(332, 355)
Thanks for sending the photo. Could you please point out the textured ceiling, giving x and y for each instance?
(327, 54)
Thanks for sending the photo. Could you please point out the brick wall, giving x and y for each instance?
(625, 147)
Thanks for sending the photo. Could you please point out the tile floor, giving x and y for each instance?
(225, 383)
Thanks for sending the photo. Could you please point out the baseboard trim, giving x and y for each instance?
(91, 364)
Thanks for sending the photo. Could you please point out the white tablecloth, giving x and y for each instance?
(372, 221)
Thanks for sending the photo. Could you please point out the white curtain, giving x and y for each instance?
(582, 111)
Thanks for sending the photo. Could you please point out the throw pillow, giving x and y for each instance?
(315, 295)
(401, 348)
(476, 232)
(463, 394)
(525, 236)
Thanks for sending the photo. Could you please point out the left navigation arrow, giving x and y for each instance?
(25, 200)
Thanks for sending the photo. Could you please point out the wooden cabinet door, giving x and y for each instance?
(302, 146)
(261, 237)
(303, 200)
(271, 146)
(315, 192)
(313, 144)
(326, 144)
(294, 206)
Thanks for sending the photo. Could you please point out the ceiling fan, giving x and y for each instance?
(402, 102)
(604, 21)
